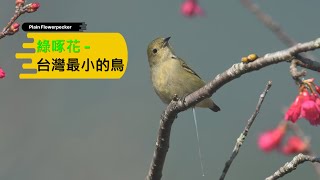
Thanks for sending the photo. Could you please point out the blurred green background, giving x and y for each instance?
(106, 129)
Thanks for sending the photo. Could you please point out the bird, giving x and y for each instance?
(171, 76)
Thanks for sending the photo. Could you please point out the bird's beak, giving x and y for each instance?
(166, 41)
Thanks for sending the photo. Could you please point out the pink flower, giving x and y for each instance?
(271, 139)
(191, 8)
(294, 111)
(294, 145)
(305, 106)
(2, 73)
(310, 110)
(15, 27)
(317, 89)
(33, 7)
(20, 2)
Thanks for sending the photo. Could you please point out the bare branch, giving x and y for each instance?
(290, 166)
(269, 22)
(168, 116)
(296, 75)
(272, 25)
(308, 63)
(244, 134)
(294, 71)
(18, 12)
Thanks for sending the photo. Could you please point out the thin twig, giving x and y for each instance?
(307, 63)
(272, 25)
(290, 166)
(296, 75)
(244, 134)
(18, 12)
(175, 107)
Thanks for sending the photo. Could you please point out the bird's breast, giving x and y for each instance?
(162, 75)
(163, 78)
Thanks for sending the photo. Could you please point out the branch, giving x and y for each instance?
(244, 134)
(308, 63)
(175, 107)
(271, 24)
(290, 166)
(296, 75)
(20, 9)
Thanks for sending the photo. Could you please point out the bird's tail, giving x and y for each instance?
(208, 103)
(214, 107)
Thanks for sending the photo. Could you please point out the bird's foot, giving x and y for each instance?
(182, 100)
(175, 97)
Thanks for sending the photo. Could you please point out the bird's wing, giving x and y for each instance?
(187, 68)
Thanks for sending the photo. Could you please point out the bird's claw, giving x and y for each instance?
(175, 97)
(183, 99)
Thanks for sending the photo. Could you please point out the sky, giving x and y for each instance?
(106, 129)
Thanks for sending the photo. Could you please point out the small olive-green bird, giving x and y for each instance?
(171, 76)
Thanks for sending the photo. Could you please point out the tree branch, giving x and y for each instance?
(18, 12)
(272, 25)
(269, 23)
(244, 134)
(296, 75)
(290, 166)
(308, 63)
(168, 116)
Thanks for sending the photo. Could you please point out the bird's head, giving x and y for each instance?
(159, 50)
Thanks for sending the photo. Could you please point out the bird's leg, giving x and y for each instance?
(183, 98)
(175, 98)
(179, 100)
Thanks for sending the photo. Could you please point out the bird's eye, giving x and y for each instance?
(154, 51)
